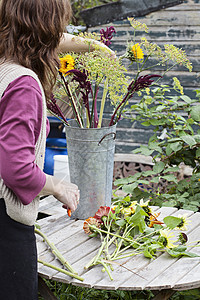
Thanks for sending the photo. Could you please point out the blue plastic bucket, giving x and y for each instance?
(54, 146)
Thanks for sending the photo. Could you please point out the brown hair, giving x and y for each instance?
(30, 32)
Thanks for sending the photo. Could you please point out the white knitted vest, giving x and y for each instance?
(25, 214)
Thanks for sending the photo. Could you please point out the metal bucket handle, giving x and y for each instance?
(106, 136)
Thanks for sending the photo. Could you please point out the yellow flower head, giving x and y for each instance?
(166, 238)
(184, 222)
(66, 63)
(137, 51)
(145, 206)
(130, 210)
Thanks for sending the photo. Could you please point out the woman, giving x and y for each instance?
(31, 34)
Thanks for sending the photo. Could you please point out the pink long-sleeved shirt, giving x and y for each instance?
(20, 124)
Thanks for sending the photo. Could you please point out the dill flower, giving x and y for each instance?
(177, 55)
(184, 222)
(138, 25)
(152, 49)
(177, 85)
(66, 64)
(166, 238)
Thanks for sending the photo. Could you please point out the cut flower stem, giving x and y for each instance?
(56, 252)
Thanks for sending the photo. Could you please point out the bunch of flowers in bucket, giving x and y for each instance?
(130, 228)
(86, 77)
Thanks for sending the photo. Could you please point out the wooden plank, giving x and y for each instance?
(58, 223)
(190, 281)
(133, 158)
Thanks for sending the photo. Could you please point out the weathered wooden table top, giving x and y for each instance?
(137, 273)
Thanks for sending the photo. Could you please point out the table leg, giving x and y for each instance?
(44, 290)
(163, 294)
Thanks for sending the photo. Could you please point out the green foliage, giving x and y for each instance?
(176, 139)
(69, 292)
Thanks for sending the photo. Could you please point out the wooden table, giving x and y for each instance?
(163, 275)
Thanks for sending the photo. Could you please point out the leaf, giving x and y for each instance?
(143, 150)
(175, 253)
(147, 253)
(186, 99)
(148, 173)
(138, 219)
(155, 122)
(172, 222)
(143, 181)
(120, 222)
(188, 139)
(155, 180)
(146, 123)
(195, 113)
(172, 169)
(158, 167)
(154, 146)
(175, 146)
(149, 250)
(170, 177)
(198, 152)
(129, 188)
(127, 180)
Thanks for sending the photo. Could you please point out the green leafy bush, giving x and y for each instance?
(176, 139)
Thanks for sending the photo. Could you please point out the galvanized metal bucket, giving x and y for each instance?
(91, 161)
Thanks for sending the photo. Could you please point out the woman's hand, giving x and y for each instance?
(66, 192)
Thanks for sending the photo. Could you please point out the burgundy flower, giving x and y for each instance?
(107, 35)
(82, 78)
(54, 108)
(141, 83)
(136, 85)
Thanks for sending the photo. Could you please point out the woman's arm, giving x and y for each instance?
(70, 42)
